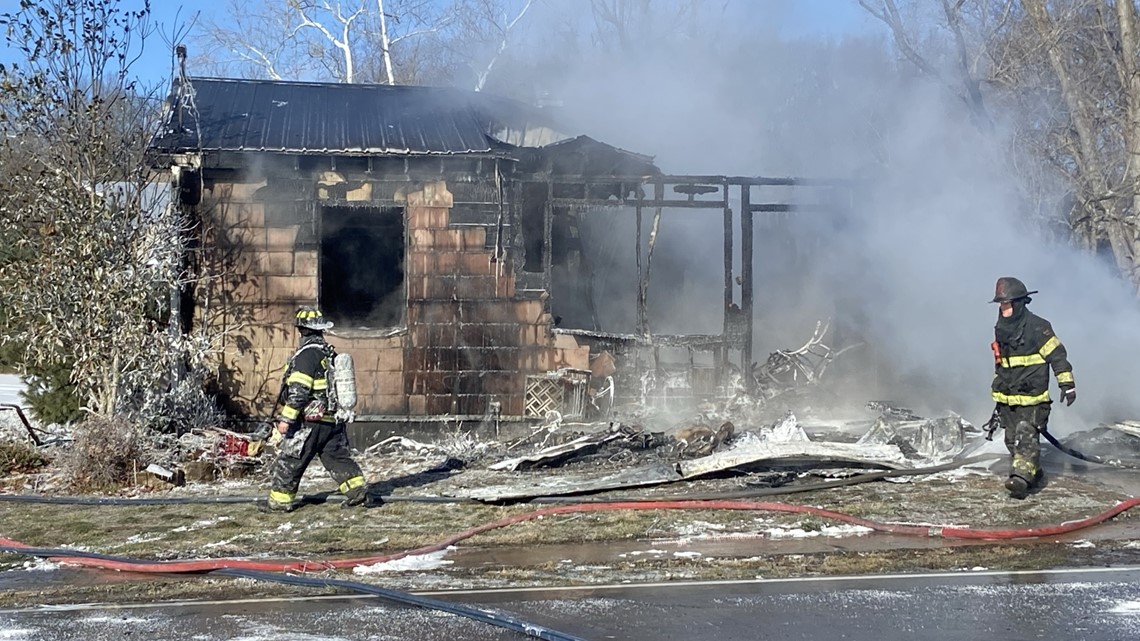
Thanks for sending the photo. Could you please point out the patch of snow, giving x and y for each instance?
(16, 634)
(640, 552)
(198, 525)
(143, 538)
(688, 555)
(285, 527)
(40, 565)
(1126, 607)
(413, 563)
(1083, 544)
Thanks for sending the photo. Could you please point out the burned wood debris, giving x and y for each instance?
(668, 459)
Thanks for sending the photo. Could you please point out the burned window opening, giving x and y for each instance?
(362, 266)
(563, 230)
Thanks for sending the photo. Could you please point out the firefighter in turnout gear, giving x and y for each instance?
(1024, 349)
(307, 426)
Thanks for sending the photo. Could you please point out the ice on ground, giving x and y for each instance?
(1126, 607)
(414, 563)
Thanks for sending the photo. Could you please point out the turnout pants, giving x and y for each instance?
(1023, 425)
(325, 440)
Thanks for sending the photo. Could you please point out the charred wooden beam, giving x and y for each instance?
(746, 282)
(640, 294)
(722, 355)
(698, 342)
(547, 233)
(656, 202)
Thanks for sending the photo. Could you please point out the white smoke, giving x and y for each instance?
(937, 218)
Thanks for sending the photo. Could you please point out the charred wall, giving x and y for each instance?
(467, 336)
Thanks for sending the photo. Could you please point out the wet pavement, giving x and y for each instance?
(1091, 604)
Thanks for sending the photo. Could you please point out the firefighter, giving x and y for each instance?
(1024, 348)
(306, 426)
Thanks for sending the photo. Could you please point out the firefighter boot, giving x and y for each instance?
(354, 497)
(269, 505)
(1017, 486)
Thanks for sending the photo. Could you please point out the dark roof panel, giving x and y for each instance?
(296, 117)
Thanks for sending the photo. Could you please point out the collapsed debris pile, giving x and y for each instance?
(603, 446)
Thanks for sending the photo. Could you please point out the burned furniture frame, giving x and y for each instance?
(738, 199)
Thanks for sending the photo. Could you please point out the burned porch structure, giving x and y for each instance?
(443, 231)
(661, 368)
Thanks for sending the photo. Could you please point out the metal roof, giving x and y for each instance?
(221, 114)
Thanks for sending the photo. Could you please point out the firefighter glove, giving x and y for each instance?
(275, 436)
(1069, 396)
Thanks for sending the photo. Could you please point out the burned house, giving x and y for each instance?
(444, 231)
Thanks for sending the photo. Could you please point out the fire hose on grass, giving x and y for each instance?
(945, 532)
(277, 570)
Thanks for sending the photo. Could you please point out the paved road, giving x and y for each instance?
(10, 388)
(1092, 605)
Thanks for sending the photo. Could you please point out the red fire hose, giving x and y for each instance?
(208, 565)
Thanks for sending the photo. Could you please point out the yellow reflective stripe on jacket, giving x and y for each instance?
(299, 377)
(1033, 359)
(290, 413)
(1021, 399)
(1023, 361)
(320, 384)
(1064, 377)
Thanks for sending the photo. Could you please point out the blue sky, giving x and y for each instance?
(792, 18)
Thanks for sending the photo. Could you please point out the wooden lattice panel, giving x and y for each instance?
(543, 395)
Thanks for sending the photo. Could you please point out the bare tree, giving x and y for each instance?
(629, 24)
(341, 40)
(1066, 73)
(98, 252)
(253, 40)
(966, 81)
(1090, 46)
(503, 30)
